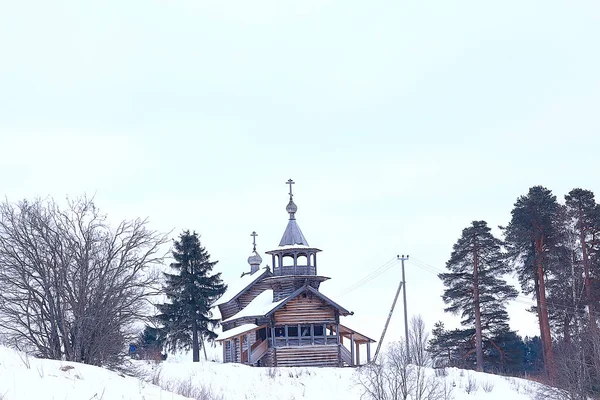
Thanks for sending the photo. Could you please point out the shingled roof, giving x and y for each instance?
(293, 235)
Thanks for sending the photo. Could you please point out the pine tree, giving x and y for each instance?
(507, 353)
(582, 208)
(531, 237)
(187, 318)
(565, 285)
(450, 348)
(474, 285)
(533, 362)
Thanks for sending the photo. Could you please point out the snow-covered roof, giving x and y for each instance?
(236, 288)
(293, 246)
(260, 305)
(237, 331)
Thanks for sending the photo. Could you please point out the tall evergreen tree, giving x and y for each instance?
(475, 287)
(566, 296)
(582, 208)
(187, 318)
(531, 237)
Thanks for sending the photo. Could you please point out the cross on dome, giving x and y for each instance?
(254, 235)
(290, 182)
(255, 259)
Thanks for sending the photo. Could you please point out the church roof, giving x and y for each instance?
(237, 331)
(259, 306)
(303, 289)
(237, 288)
(263, 304)
(293, 235)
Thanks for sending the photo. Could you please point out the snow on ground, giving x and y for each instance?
(23, 377)
(235, 382)
(28, 378)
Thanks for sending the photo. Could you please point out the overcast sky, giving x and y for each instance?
(400, 121)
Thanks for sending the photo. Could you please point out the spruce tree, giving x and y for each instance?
(187, 318)
(531, 237)
(475, 287)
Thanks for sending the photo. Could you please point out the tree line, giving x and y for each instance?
(554, 250)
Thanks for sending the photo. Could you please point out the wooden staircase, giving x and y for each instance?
(257, 351)
(346, 355)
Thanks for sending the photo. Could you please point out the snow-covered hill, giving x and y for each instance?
(23, 377)
(235, 382)
(28, 378)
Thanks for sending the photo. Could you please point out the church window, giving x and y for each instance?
(318, 330)
(293, 331)
(305, 330)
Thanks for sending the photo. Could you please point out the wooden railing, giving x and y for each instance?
(305, 341)
(346, 355)
(297, 270)
(257, 352)
(255, 345)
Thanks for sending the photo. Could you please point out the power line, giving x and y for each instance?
(401, 286)
(366, 279)
(520, 298)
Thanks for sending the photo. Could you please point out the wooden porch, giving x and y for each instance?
(351, 355)
(295, 345)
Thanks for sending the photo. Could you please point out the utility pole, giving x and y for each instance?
(387, 322)
(405, 313)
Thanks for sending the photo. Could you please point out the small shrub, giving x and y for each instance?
(273, 372)
(441, 372)
(25, 359)
(186, 388)
(471, 386)
(156, 377)
(515, 384)
(487, 386)
(447, 390)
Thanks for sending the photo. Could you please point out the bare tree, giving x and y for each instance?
(419, 338)
(72, 286)
(398, 377)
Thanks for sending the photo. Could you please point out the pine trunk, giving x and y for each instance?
(567, 329)
(478, 335)
(588, 288)
(543, 314)
(195, 344)
(536, 284)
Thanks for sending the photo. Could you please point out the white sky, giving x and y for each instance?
(401, 122)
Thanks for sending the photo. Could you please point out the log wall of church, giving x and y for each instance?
(305, 309)
(309, 356)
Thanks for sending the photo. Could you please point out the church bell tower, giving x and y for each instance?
(293, 256)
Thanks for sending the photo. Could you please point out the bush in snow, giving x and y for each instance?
(399, 375)
(487, 386)
(471, 385)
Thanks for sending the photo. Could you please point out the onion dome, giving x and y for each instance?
(255, 259)
(291, 209)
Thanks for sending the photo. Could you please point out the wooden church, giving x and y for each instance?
(279, 317)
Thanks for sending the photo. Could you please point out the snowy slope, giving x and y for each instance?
(235, 381)
(25, 378)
